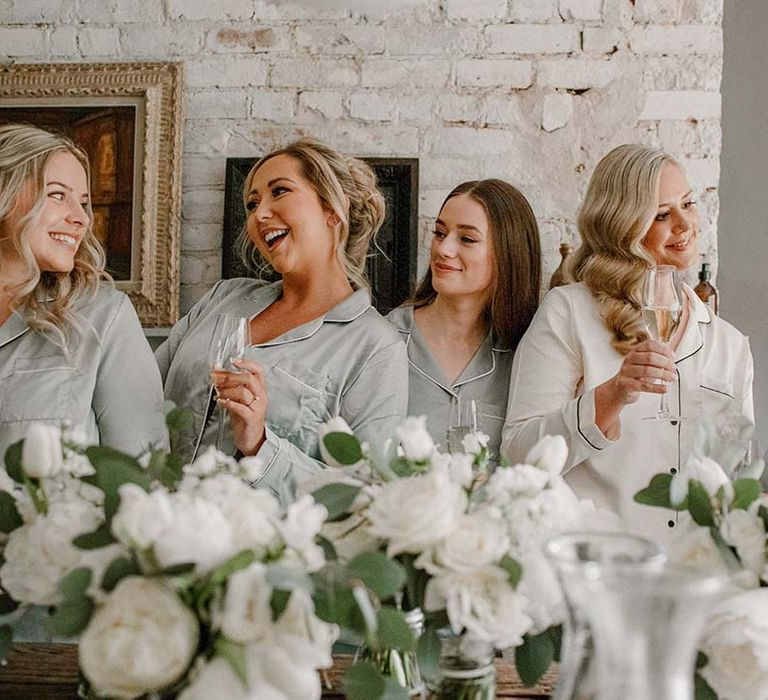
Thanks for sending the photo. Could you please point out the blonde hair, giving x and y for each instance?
(619, 208)
(347, 187)
(46, 298)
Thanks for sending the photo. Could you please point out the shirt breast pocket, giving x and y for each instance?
(39, 388)
(297, 405)
(718, 401)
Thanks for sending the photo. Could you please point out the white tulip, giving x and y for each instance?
(246, 615)
(415, 440)
(549, 454)
(299, 622)
(214, 679)
(539, 584)
(41, 453)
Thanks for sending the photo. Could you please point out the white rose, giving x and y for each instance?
(513, 482)
(38, 554)
(746, 533)
(414, 513)
(481, 602)
(214, 679)
(474, 442)
(141, 517)
(540, 586)
(300, 623)
(549, 454)
(246, 615)
(697, 550)
(303, 522)
(416, 442)
(334, 425)
(735, 641)
(41, 453)
(477, 541)
(141, 640)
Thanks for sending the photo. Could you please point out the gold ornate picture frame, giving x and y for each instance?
(129, 118)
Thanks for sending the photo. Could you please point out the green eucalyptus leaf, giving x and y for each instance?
(71, 617)
(114, 469)
(428, 651)
(534, 656)
(702, 689)
(13, 463)
(118, 570)
(288, 578)
(7, 604)
(179, 569)
(701, 659)
(279, 602)
(513, 568)
(700, 504)
(75, 583)
(727, 552)
(6, 639)
(337, 499)
(379, 573)
(556, 635)
(363, 682)
(234, 653)
(9, 514)
(745, 492)
(393, 690)
(328, 549)
(393, 630)
(335, 603)
(343, 447)
(762, 513)
(96, 539)
(657, 492)
(240, 561)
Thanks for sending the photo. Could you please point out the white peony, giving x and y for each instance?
(415, 440)
(696, 549)
(746, 533)
(735, 641)
(478, 540)
(417, 512)
(38, 554)
(334, 425)
(549, 454)
(246, 615)
(141, 517)
(508, 483)
(482, 603)
(214, 679)
(303, 521)
(141, 640)
(41, 453)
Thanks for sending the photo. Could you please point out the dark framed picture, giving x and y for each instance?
(391, 266)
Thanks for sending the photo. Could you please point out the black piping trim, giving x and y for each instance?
(578, 425)
(717, 391)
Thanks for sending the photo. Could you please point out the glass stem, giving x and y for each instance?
(663, 406)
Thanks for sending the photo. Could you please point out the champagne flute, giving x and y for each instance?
(465, 422)
(231, 336)
(662, 311)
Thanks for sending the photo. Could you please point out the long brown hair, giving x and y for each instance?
(514, 236)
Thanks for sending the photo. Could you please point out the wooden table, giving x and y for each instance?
(49, 672)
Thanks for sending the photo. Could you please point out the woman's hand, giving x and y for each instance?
(640, 371)
(244, 396)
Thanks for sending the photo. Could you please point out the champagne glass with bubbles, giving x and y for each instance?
(231, 336)
(662, 311)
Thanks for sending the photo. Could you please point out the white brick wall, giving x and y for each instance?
(534, 91)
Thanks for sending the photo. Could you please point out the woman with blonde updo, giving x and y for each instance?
(71, 347)
(319, 349)
(586, 368)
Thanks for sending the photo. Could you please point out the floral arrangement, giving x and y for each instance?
(463, 546)
(214, 580)
(723, 526)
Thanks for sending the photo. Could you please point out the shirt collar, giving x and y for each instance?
(692, 339)
(14, 327)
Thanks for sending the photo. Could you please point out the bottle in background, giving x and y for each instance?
(706, 291)
(561, 276)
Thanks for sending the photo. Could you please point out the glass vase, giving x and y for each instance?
(569, 554)
(466, 670)
(400, 666)
(646, 625)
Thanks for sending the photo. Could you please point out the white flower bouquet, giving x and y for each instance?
(461, 545)
(179, 579)
(723, 526)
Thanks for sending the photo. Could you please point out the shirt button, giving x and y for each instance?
(671, 523)
(673, 471)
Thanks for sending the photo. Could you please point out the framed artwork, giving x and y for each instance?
(391, 266)
(127, 117)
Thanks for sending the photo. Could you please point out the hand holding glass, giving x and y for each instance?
(662, 311)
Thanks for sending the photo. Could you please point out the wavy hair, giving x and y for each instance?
(46, 298)
(347, 187)
(514, 236)
(619, 208)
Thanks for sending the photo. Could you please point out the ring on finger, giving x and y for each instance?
(253, 400)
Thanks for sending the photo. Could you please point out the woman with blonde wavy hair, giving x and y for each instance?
(586, 368)
(71, 347)
(319, 349)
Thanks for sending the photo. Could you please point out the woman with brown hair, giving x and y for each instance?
(472, 307)
(71, 347)
(586, 368)
(319, 349)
